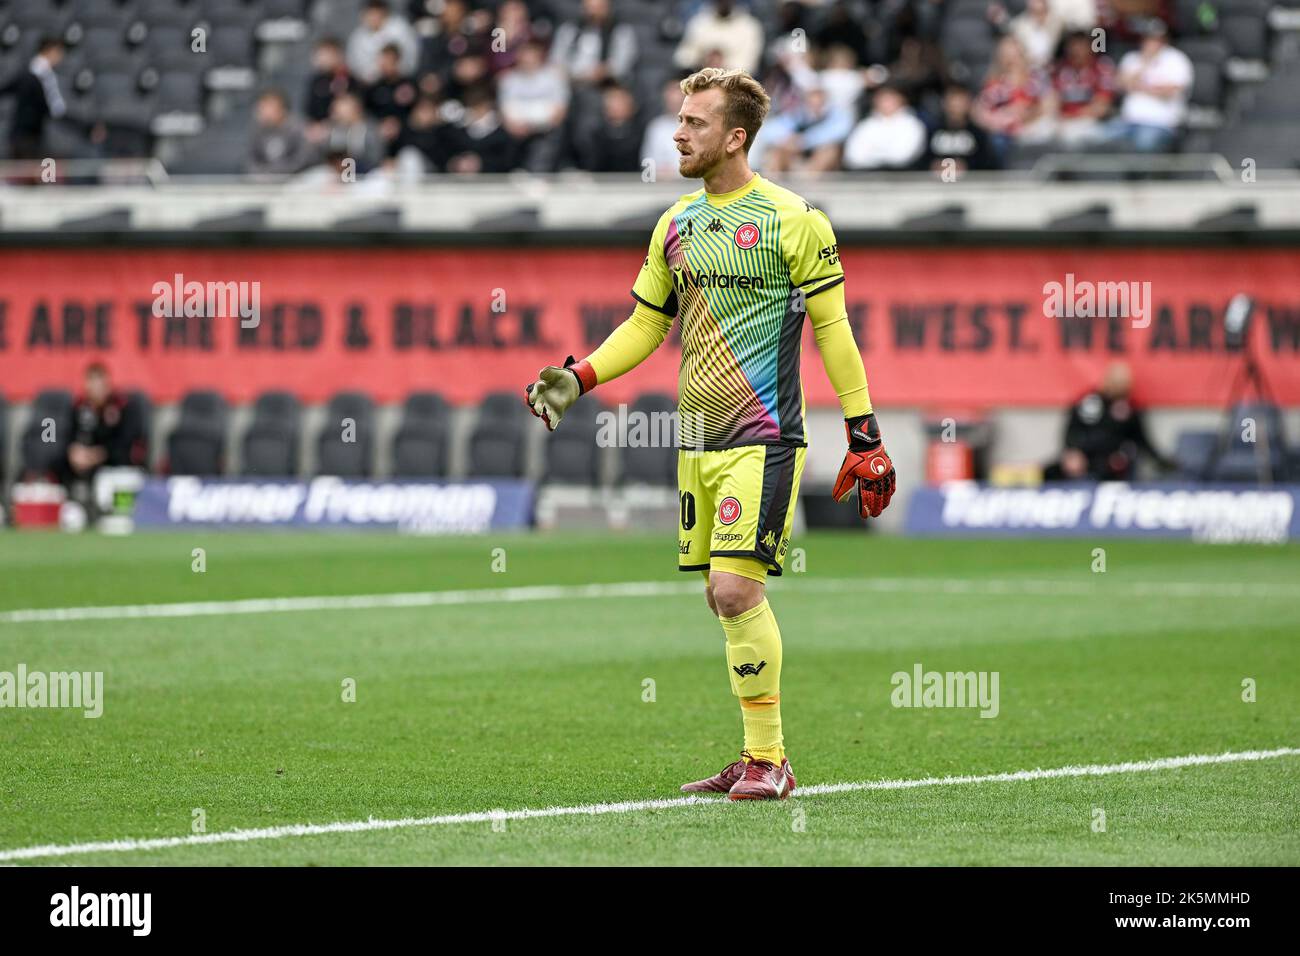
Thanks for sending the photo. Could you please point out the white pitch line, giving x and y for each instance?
(128, 845)
(634, 589)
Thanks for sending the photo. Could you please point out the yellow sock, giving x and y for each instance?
(762, 719)
(754, 666)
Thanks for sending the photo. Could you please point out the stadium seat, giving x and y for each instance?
(4, 438)
(494, 455)
(270, 445)
(179, 92)
(347, 450)
(572, 455)
(1246, 35)
(137, 420)
(197, 446)
(420, 447)
(44, 459)
(651, 464)
(1207, 83)
(1193, 451)
(181, 14)
(233, 13)
(505, 407)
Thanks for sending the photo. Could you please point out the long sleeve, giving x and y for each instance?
(630, 344)
(839, 351)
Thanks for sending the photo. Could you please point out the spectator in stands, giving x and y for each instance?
(512, 30)
(1085, 92)
(595, 48)
(1075, 14)
(534, 103)
(1039, 31)
(1126, 21)
(389, 99)
(919, 72)
(1016, 103)
(616, 145)
(457, 34)
(657, 144)
(425, 142)
(840, 26)
(1105, 434)
(279, 145)
(37, 99)
(469, 72)
(810, 139)
(330, 78)
(842, 77)
(789, 34)
(1156, 80)
(720, 26)
(956, 137)
(103, 433)
(892, 137)
(350, 134)
(481, 144)
(378, 28)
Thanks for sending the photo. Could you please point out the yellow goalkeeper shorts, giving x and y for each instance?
(737, 502)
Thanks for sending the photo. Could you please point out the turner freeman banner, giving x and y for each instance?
(967, 327)
(1207, 513)
(415, 507)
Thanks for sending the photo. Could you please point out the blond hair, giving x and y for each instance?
(745, 101)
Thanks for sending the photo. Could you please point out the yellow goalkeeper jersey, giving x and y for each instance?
(737, 269)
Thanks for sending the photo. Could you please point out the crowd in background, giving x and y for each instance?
(450, 86)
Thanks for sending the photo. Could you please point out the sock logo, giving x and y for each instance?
(749, 670)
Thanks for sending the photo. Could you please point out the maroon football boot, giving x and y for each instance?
(764, 780)
(720, 782)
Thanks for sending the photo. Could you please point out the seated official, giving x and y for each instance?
(1105, 435)
(102, 429)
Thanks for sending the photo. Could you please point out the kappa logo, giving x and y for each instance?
(769, 540)
(749, 670)
(729, 510)
(715, 226)
(747, 235)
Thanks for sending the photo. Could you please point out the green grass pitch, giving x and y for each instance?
(540, 703)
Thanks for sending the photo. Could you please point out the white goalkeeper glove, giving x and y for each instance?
(556, 389)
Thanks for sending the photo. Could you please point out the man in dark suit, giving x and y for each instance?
(37, 100)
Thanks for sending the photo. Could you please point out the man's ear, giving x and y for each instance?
(738, 136)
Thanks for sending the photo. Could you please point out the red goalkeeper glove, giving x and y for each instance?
(866, 466)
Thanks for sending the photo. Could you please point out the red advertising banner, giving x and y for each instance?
(937, 327)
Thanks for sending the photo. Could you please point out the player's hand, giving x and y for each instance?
(866, 467)
(554, 391)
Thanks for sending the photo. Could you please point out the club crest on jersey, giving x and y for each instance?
(729, 510)
(746, 235)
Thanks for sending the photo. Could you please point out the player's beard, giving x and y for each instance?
(698, 163)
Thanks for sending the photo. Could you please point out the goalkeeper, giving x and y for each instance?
(740, 263)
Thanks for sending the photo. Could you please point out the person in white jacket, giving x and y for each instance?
(892, 137)
(736, 34)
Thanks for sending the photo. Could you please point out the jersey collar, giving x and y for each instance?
(722, 199)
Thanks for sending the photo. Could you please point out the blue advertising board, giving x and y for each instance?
(1215, 513)
(416, 507)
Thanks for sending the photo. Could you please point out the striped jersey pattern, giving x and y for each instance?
(736, 270)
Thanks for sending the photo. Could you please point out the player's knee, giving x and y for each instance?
(708, 596)
(734, 595)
